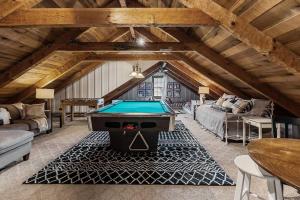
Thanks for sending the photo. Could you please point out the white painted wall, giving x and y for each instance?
(99, 82)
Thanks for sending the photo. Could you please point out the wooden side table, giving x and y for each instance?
(57, 115)
(259, 122)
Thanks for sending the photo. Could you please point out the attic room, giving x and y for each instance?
(150, 99)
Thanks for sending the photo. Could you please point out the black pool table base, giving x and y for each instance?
(132, 133)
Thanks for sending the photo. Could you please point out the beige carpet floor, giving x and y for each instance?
(48, 147)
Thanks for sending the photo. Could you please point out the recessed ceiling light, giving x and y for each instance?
(140, 41)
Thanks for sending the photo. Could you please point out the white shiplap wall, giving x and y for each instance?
(99, 82)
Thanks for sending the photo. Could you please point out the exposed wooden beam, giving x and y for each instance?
(218, 80)
(197, 76)
(241, 29)
(124, 46)
(43, 53)
(258, 8)
(202, 70)
(179, 79)
(18, 69)
(76, 76)
(235, 70)
(130, 84)
(287, 24)
(9, 6)
(48, 79)
(129, 57)
(187, 80)
(89, 17)
(66, 3)
(237, 4)
(61, 71)
(124, 5)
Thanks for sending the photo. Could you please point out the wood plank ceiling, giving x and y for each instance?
(249, 48)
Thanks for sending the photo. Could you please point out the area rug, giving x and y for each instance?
(179, 160)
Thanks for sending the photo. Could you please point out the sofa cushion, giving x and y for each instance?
(34, 111)
(239, 106)
(23, 126)
(32, 124)
(220, 108)
(13, 111)
(13, 139)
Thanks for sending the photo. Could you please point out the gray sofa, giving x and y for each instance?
(14, 145)
(17, 123)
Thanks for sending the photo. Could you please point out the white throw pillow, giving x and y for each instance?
(5, 116)
(227, 103)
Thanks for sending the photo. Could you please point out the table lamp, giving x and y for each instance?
(203, 91)
(46, 94)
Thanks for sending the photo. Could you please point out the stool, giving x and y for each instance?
(247, 168)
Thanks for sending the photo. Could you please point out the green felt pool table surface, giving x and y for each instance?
(135, 107)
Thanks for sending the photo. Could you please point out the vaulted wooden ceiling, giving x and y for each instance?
(248, 48)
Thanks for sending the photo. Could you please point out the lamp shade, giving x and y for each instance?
(44, 93)
(203, 90)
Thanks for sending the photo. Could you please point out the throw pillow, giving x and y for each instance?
(228, 103)
(5, 116)
(34, 111)
(261, 107)
(220, 101)
(239, 106)
(19, 106)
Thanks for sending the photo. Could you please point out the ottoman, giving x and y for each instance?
(14, 144)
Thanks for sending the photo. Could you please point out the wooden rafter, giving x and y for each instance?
(77, 75)
(129, 57)
(179, 79)
(198, 77)
(187, 80)
(258, 8)
(211, 76)
(88, 17)
(130, 84)
(206, 73)
(241, 29)
(9, 6)
(20, 68)
(235, 70)
(62, 71)
(124, 5)
(125, 46)
(48, 79)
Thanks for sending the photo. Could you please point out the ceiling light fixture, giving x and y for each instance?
(136, 71)
(140, 41)
(140, 75)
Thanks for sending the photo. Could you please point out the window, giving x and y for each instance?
(158, 85)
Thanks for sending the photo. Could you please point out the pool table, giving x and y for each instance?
(133, 125)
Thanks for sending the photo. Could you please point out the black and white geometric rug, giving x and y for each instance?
(179, 160)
